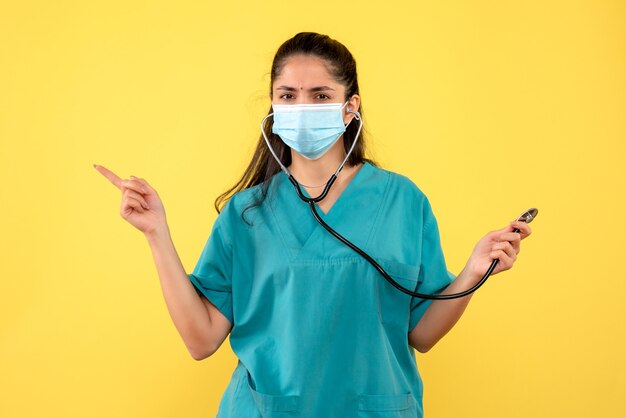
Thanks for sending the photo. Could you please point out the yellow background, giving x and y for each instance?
(490, 107)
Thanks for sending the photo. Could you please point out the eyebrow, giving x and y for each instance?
(319, 88)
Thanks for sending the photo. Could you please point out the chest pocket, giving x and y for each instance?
(387, 406)
(394, 304)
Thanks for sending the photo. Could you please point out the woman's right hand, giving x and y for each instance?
(141, 205)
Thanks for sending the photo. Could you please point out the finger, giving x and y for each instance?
(504, 234)
(134, 185)
(505, 261)
(513, 237)
(137, 196)
(510, 251)
(132, 203)
(110, 175)
(509, 236)
(505, 246)
(523, 227)
(145, 184)
(136, 204)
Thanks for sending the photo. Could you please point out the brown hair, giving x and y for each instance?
(342, 67)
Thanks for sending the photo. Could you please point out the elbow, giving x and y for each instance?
(423, 348)
(426, 346)
(202, 352)
(198, 356)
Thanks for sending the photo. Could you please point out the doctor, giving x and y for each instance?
(317, 330)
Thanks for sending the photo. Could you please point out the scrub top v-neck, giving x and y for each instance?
(317, 330)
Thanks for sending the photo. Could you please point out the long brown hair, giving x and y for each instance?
(263, 166)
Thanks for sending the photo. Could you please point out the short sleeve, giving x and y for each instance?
(434, 276)
(212, 275)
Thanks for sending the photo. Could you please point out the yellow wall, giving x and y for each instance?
(490, 107)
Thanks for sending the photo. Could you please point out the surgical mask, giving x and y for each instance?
(309, 129)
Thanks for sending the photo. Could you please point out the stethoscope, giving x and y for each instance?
(527, 217)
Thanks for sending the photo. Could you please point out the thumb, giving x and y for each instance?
(144, 182)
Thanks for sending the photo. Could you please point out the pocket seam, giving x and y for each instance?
(401, 271)
(384, 402)
(274, 403)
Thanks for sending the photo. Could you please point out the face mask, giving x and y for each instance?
(309, 129)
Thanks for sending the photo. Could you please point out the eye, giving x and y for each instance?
(286, 96)
(322, 96)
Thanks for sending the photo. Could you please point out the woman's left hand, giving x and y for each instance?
(503, 244)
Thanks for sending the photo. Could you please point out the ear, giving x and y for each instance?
(353, 105)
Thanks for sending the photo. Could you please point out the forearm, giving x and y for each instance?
(442, 315)
(189, 314)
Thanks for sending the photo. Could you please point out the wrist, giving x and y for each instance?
(468, 276)
(158, 234)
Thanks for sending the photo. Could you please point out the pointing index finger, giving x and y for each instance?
(110, 175)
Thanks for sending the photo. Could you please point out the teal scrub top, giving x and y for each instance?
(317, 330)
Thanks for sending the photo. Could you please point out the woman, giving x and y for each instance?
(317, 330)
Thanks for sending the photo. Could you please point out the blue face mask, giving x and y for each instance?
(309, 129)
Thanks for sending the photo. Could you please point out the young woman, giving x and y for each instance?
(317, 329)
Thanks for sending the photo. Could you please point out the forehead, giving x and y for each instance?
(305, 71)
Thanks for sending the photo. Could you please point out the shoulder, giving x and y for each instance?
(242, 200)
(401, 184)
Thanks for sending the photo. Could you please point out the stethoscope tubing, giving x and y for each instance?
(312, 200)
